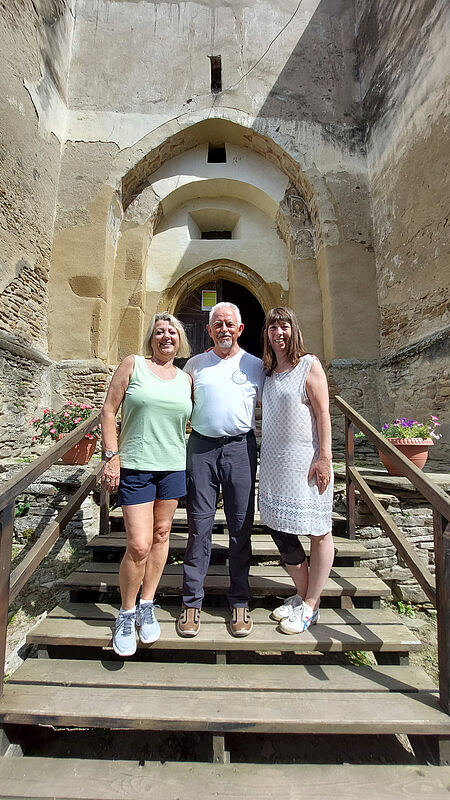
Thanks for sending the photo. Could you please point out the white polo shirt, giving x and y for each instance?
(225, 392)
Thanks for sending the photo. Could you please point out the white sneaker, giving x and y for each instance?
(300, 620)
(149, 630)
(124, 640)
(288, 607)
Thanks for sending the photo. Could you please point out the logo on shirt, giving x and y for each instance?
(239, 377)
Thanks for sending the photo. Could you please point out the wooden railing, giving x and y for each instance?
(11, 584)
(437, 588)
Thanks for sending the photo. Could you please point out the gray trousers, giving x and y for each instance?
(211, 464)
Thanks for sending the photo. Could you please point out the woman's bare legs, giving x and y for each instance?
(309, 582)
(138, 521)
(163, 512)
(148, 528)
(320, 563)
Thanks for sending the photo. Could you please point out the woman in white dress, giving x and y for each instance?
(296, 476)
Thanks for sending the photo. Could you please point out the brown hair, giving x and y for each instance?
(295, 348)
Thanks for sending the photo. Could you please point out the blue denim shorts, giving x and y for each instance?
(138, 486)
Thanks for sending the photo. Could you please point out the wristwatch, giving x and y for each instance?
(110, 453)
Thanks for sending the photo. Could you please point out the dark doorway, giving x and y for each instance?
(195, 320)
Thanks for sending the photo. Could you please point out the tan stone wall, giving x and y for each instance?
(360, 160)
(133, 122)
(404, 80)
(35, 43)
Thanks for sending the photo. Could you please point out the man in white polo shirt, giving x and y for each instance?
(221, 453)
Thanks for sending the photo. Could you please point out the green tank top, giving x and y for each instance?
(154, 416)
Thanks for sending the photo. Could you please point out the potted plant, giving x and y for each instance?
(56, 424)
(412, 438)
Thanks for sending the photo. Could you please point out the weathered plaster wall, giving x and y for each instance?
(404, 81)
(289, 86)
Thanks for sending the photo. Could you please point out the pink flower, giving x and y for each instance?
(66, 414)
(46, 411)
(33, 439)
(433, 418)
(77, 420)
(33, 420)
(52, 430)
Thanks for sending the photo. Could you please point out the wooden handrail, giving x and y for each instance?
(11, 585)
(18, 483)
(408, 553)
(438, 590)
(422, 482)
(50, 534)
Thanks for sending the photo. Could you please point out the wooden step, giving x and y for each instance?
(113, 545)
(78, 779)
(264, 580)
(339, 630)
(323, 702)
(180, 519)
(265, 678)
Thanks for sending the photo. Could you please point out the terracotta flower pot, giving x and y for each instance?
(80, 453)
(414, 449)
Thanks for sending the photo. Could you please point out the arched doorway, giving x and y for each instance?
(189, 312)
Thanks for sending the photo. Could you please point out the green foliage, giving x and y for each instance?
(405, 609)
(22, 509)
(358, 658)
(403, 428)
(53, 424)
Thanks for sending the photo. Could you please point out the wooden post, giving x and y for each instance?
(104, 510)
(441, 529)
(6, 537)
(350, 486)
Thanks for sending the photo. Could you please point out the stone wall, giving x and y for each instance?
(35, 43)
(404, 79)
(43, 500)
(415, 519)
(25, 387)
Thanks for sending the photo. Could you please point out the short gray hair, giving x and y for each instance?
(184, 349)
(224, 304)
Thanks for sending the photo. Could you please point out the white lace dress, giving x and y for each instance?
(289, 444)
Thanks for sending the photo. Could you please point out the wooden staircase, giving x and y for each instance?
(218, 686)
(185, 718)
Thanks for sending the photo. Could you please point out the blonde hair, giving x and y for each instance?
(295, 347)
(184, 349)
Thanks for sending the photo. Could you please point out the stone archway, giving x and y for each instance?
(224, 269)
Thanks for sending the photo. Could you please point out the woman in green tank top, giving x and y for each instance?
(147, 465)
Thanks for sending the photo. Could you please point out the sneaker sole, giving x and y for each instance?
(188, 634)
(118, 653)
(278, 617)
(240, 634)
(304, 631)
(149, 641)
